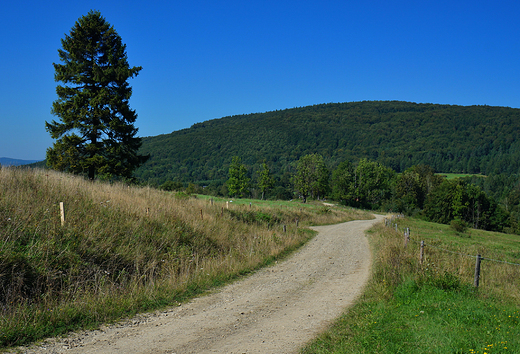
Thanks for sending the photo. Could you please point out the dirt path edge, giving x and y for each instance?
(276, 310)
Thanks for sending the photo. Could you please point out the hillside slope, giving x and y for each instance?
(473, 139)
(122, 249)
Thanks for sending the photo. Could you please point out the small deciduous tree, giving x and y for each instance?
(465, 202)
(312, 176)
(372, 183)
(238, 182)
(96, 133)
(413, 186)
(265, 180)
(343, 183)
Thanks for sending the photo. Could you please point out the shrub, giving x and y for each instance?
(459, 225)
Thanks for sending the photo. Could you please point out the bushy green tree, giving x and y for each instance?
(459, 200)
(413, 186)
(96, 133)
(372, 183)
(238, 182)
(312, 176)
(265, 180)
(171, 186)
(343, 183)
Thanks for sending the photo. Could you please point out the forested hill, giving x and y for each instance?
(471, 139)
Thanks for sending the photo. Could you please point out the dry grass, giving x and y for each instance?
(433, 308)
(449, 251)
(124, 249)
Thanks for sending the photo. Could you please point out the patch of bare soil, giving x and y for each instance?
(276, 310)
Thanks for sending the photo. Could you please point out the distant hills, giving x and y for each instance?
(457, 139)
(6, 161)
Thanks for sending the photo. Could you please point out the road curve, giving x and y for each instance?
(276, 310)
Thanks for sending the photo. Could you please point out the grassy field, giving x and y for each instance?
(433, 308)
(458, 175)
(123, 249)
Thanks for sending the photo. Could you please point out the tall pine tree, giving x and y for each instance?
(96, 133)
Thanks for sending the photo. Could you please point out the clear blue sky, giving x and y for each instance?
(209, 59)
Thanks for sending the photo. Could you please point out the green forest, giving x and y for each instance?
(373, 154)
(399, 135)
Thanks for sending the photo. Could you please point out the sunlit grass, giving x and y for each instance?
(459, 175)
(125, 249)
(433, 308)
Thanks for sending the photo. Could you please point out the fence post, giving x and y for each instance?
(201, 216)
(477, 271)
(284, 228)
(421, 253)
(297, 223)
(62, 213)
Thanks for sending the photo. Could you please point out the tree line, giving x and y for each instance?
(397, 146)
(368, 184)
(456, 139)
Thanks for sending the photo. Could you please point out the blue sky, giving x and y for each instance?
(209, 59)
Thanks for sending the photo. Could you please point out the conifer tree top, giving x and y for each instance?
(95, 134)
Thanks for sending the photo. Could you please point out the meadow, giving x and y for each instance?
(459, 175)
(433, 307)
(126, 249)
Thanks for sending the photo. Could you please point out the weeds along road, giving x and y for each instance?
(276, 310)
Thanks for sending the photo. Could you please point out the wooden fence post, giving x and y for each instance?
(201, 216)
(284, 228)
(421, 253)
(477, 271)
(62, 213)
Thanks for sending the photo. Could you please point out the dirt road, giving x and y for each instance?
(276, 310)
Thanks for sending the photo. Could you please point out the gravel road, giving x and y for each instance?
(276, 310)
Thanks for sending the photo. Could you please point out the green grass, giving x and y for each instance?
(424, 319)
(296, 203)
(432, 308)
(459, 175)
(124, 250)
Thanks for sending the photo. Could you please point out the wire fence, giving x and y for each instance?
(392, 223)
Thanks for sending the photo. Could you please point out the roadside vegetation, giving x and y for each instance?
(125, 249)
(434, 307)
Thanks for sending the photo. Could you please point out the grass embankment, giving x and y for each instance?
(433, 307)
(124, 249)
